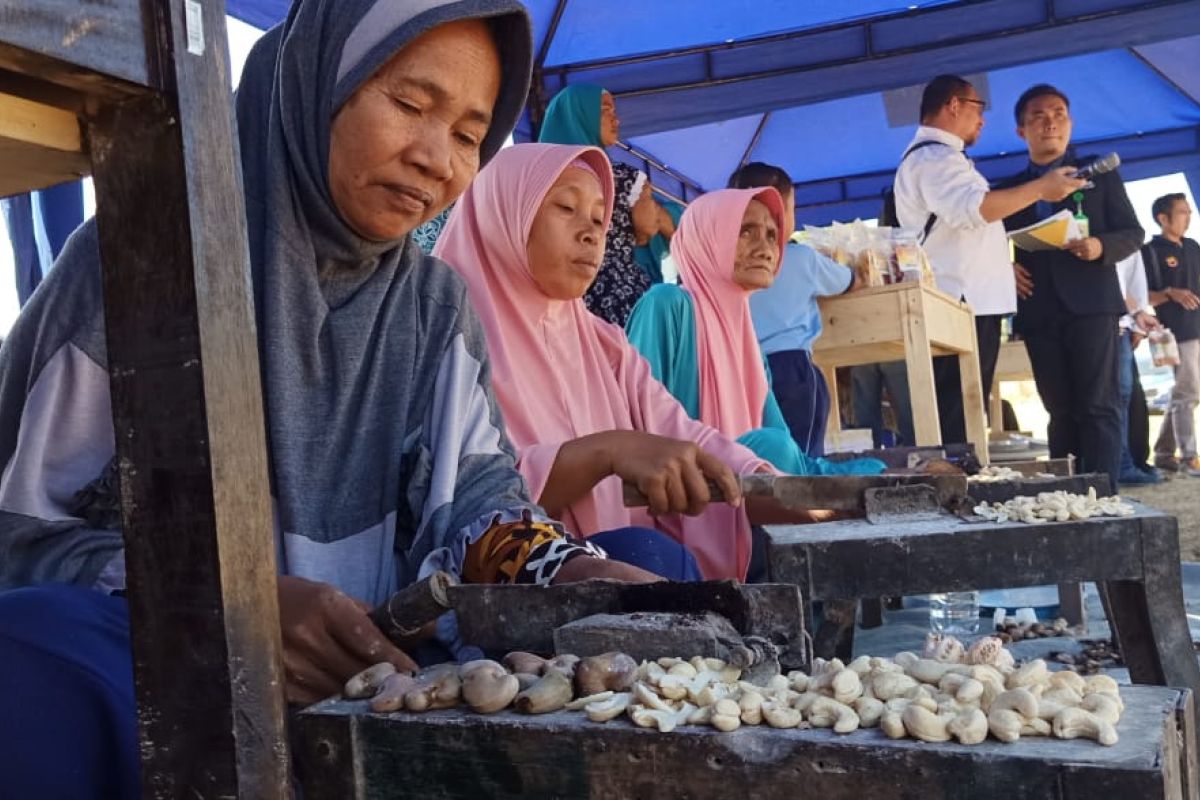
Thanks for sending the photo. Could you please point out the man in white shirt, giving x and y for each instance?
(939, 192)
(1131, 273)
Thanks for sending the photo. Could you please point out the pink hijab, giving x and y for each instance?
(560, 372)
(733, 384)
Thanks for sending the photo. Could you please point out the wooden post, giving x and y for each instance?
(187, 413)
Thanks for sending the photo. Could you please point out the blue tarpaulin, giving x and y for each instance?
(828, 89)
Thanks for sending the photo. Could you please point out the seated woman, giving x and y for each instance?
(358, 121)
(578, 401)
(699, 338)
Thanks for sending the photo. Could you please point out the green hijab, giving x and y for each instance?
(573, 116)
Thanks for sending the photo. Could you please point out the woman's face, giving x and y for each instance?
(406, 143)
(610, 125)
(757, 256)
(566, 240)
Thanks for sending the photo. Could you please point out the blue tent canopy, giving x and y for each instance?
(828, 89)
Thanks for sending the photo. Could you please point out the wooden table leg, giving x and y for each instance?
(921, 391)
(833, 427)
(1147, 617)
(1070, 603)
(972, 400)
(834, 637)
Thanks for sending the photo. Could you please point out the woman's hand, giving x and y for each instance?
(672, 474)
(327, 638)
(584, 568)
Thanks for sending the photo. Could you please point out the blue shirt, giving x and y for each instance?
(786, 316)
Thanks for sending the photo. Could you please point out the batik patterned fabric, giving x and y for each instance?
(620, 283)
(526, 551)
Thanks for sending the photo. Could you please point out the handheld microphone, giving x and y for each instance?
(1106, 164)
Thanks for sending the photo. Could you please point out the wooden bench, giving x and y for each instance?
(346, 753)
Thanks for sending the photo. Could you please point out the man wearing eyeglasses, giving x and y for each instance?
(940, 193)
(1071, 299)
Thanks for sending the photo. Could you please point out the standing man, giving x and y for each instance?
(1173, 275)
(939, 192)
(1070, 299)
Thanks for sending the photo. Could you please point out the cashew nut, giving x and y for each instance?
(1074, 723)
(391, 693)
(969, 727)
(366, 683)
(869, 711)
(528, 663)
(1104, 706)
(889, 685)
(551, 692)
(780, 716)
(825, 711)
(487, 687)
(923, 724)
(726, 715)
(1030, 674)
(584, 702)
(606, 672)
(892, 725)
(750, 704)
(608, 709)
(1005, 724)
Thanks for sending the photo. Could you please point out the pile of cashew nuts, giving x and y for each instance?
(908, 695)
(1057, 506)
(994, 473)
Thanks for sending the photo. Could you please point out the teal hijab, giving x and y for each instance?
(573, 116)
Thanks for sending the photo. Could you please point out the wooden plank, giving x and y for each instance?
(25, 121)
(40, 146)
(831, 559)
(455, 754)
(187, 413)
(89, 41)
(1185, 726)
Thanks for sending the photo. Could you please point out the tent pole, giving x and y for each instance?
(537, 89)
(758, 132)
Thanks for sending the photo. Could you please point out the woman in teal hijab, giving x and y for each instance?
(585, 114)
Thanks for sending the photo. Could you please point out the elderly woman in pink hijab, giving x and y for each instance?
(579, 403)
(699, 338)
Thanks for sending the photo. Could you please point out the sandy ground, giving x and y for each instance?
(1179, 496)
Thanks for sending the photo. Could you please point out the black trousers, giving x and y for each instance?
(948, 382)
(1139, 424)
(1074, 361)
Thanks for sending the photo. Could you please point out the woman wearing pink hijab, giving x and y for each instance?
(700, 340)
(579, 403)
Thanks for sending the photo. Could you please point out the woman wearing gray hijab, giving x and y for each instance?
(358, 121)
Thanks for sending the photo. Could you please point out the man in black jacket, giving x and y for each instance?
(1069, 300)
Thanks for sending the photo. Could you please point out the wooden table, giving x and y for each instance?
(1134, 560)
(913, 323)
(345, 752)
(1012, 364)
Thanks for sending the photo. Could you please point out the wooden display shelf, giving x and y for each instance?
(913, 323)
(348, 753)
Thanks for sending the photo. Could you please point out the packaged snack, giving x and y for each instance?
(1164, 350)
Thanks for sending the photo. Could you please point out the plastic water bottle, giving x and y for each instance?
(955, 613)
